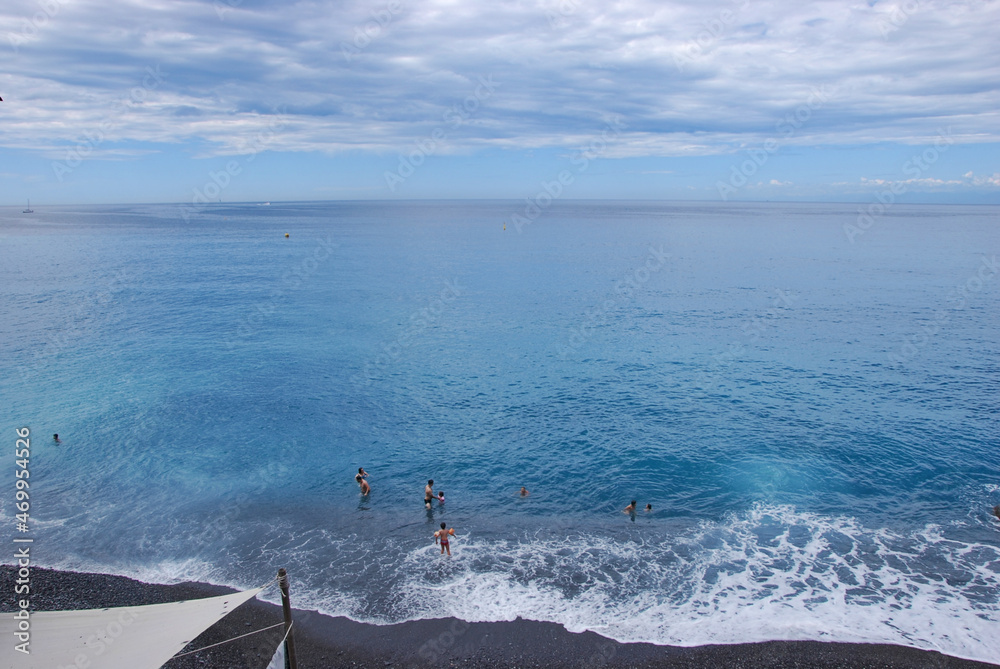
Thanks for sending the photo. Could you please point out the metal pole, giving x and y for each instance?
(286, 608)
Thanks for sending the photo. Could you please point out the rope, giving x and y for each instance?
(287, 632)
(267, 585)
(234, 639)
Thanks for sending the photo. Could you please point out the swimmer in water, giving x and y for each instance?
(365, 488)
(441, 496)
(524, 492)
(441, 537)
(429, 493)
(649, 507)
(996, 512)
(630, 508)
(56, 438)
(361, 475)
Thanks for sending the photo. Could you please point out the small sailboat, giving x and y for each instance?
(29, 210)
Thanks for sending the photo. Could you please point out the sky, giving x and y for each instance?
(190, 101)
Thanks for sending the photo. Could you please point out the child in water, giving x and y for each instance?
(441, 496)
(441, 536)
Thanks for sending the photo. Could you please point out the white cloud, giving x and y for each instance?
(968, 180)
(687, 78)
(992, 180)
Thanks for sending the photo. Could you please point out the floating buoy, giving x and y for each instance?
(286, 234)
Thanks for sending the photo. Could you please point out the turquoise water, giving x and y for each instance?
(813, 419)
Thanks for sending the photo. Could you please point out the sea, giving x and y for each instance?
(807, 394)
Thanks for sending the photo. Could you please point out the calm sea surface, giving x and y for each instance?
(813, 412)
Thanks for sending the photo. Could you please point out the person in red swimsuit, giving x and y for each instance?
(441, 537)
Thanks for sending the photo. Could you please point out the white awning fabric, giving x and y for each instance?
(278, 659)
(131, 637)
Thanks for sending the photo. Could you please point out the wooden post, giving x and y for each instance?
(286, 608)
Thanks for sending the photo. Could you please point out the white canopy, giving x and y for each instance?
(130, 637)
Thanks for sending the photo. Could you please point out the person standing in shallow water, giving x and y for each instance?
(360, 478)
(441, 536)
(429, 493)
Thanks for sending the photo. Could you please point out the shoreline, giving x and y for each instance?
(331, 642)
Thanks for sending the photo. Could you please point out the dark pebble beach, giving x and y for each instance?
(323, 641)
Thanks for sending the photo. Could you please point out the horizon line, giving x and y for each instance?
(493, 199)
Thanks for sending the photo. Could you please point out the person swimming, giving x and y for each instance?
(996, 512)
(440, 496)
(524, 492)
(630, 508)
(56, 438)
(649, 507)
(361, 475)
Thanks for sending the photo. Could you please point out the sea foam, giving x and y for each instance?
(772, 574)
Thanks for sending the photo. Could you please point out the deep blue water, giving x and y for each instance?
(814, 420)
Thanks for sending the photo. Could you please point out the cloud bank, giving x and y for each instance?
(687, 78)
